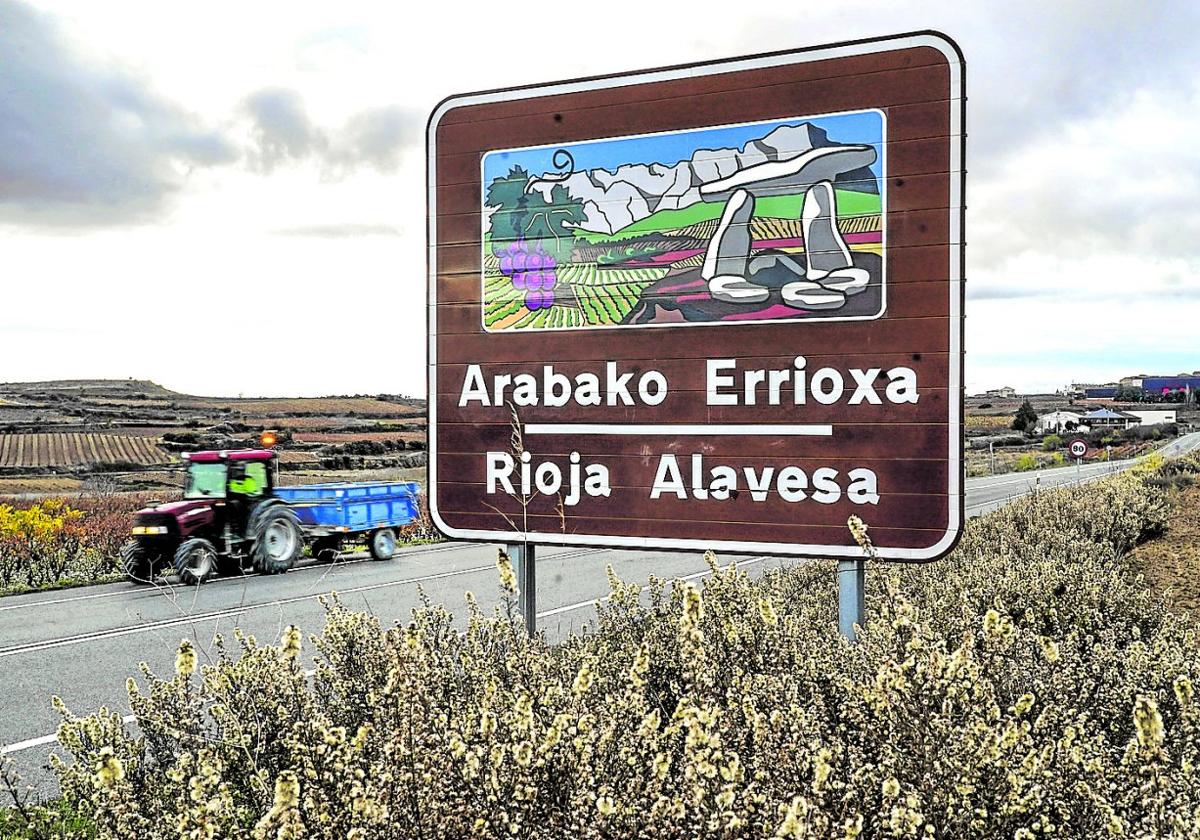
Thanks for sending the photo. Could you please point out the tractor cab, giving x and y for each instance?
(229, 520)
(238, 474)
(235, 481)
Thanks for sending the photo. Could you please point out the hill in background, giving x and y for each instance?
(127, 434)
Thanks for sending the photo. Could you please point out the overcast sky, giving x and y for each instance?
(180, 189)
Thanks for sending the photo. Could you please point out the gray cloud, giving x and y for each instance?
(980, 292)
(377, 136)
(282, 132)
(83, 143)
(86, 143)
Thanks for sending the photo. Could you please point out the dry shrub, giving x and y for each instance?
(60, 541)
(1029, 686)
(421, 529)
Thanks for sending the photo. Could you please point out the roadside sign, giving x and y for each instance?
(710, 306)
(1078, 448)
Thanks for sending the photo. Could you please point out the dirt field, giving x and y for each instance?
(1172, 562)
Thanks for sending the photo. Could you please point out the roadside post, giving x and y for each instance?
(714, 306)
(852, 604)
(524, 560)
(1078, 449)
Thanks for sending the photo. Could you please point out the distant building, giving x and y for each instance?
(1154, 418)
(1005, 393)
(1177, 388)
(1107, 418)
(1057, 421)
(1165, 385)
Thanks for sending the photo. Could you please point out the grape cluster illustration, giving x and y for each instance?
(536, 272)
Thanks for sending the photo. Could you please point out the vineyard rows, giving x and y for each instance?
(605, 296)
(68, 449)
(348, 437)
(767, 227)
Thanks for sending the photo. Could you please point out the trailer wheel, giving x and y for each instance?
(139, 565)
(326, 549)
(382, 544)
(195, 561)
(279, 541)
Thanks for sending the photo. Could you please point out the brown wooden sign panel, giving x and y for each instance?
(714, 306)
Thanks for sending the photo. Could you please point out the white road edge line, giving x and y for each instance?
(29, 744)
(152, 590)
(1032, 477)
(350, 560)
(117, 632)
(42, 740)
(33, 647)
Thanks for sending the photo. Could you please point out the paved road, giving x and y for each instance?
(81, 644)
(990, 492)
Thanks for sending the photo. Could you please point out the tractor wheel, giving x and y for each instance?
(382, 544)
(139, 565)
(279, 542)
(195, 561)
(326, 549)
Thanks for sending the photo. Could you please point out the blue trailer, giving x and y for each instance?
(332, 513)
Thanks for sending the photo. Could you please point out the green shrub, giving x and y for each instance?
(1052, 442)
(1026, 462)
(1026, 686)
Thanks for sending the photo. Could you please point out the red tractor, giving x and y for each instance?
(229, 521)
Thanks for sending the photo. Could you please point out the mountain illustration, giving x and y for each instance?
(615, 200)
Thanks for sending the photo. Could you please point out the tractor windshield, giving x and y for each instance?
(205, 481)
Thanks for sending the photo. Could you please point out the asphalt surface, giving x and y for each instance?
(81, 644)
(990, 492)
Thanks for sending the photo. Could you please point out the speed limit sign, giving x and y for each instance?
(1078, 448)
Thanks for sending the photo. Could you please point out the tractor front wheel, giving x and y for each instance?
(279, 541)
(139, 565)
(382, 544)
(195, 561)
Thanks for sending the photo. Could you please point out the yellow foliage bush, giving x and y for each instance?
(1028, 686)
(39, 543)
(55, 542)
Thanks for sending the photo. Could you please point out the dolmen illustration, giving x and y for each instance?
(827, 274)
(749, 223)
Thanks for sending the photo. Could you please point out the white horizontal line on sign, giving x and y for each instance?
(708, 429)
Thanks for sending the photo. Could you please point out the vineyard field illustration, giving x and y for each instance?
(757, 222)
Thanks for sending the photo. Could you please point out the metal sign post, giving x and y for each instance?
(1078, 448)
(852, 609)
(524, 560)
